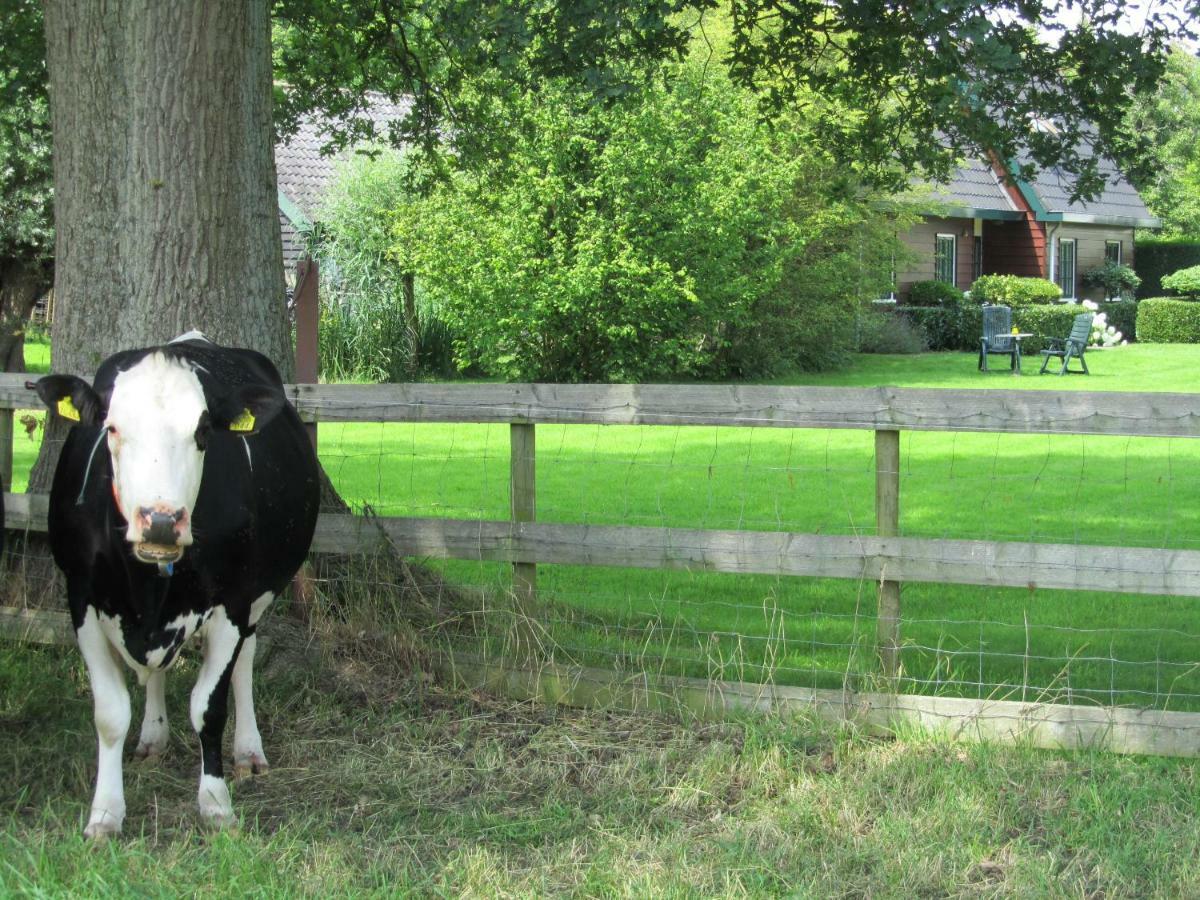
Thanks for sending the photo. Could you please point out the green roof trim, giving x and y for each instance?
(294, 214)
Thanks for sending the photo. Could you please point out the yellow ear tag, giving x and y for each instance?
(244, 422)
(67, 409)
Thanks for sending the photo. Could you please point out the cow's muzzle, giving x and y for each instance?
(161, 532)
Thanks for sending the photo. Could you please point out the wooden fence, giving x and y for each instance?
(883, 558)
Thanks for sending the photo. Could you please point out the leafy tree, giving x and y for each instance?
(1161, 145)
(879, 78)
(666, 234)
(26, 227)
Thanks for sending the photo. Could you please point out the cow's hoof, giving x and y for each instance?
(248, 765)
(216, 810)
(150, 751)
(101, 830)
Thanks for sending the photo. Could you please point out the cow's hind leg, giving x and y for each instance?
(110, 697)
(222, 641)
(155, 734)
(248, 756)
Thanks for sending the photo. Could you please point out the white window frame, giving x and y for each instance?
(1068, 290)
(953, 239)
(1120, 245)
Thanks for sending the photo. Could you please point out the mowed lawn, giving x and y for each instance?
(963, 640)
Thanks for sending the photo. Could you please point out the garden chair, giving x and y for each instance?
(1070, 347)
(997, 338)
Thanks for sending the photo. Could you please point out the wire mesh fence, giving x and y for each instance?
(729, 509)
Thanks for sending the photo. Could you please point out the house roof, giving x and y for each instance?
(304, 172)
(1049, 193)
(974, 190)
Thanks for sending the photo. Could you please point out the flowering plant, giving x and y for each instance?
(1103, 334)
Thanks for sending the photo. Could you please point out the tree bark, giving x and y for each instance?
(164, 177)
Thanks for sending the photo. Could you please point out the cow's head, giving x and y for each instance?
(158, 413)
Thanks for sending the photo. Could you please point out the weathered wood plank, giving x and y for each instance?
(36, 626)
(1053, 412)
(918, 409)
(1046, 725)
(887, 524)
(990, 563)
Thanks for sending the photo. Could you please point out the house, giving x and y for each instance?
(989, 223)
(304, 173)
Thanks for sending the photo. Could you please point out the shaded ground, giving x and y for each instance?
(385, 784)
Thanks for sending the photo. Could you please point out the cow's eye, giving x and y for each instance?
(203, 430)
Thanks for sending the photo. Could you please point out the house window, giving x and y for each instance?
(945, 258)
(1066, 267)
(1112, 252)
(977, 259)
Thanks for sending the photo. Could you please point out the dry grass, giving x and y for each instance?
(385, 783)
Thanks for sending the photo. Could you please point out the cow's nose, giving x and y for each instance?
(159, 527)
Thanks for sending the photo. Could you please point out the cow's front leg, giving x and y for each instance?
(248, 756)
(110, 698)
(222, 641)
(155, 734)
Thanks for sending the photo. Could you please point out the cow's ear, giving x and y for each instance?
(71, 398)
(248, 409)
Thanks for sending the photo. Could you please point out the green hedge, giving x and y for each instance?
(1122, 315)
(1164, 320)
(946, 327)
(1014, 291)
(1045, 321)
(1155, 257)
(934, 293)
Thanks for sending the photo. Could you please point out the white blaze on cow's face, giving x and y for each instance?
(157, 424)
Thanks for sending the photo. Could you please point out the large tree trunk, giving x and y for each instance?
(164, 177)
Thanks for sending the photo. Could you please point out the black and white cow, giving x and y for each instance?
(184, 502)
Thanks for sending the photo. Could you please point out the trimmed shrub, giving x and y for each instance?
(1044, 321)
(886, 332)
(1014, 291)
(1185, 281)
(1122, 315)
(934, 293)
(1165, 320)
(1156, 257)
(946, 327)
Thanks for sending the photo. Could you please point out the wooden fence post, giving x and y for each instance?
(6, 448)
(523, 506)
(307, 309)
(887, 524)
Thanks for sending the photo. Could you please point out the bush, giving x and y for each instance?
(1014, 291)
(945, 327)
(1184, 281)
(1117, 280)
(1122, 315)
(1157, 257)
(887, 332)
(1044, 321)
(934, 293)
(1165, 320)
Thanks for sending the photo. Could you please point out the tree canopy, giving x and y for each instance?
(925, 83)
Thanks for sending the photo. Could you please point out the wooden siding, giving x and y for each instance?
(1014, 248)
(1089, 250)
(921, 239)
